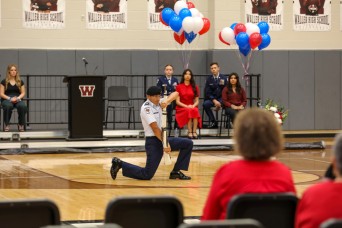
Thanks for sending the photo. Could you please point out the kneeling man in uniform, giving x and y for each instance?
(151, 117)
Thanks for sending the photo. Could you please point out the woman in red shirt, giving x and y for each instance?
(258, 138)
(187, 112)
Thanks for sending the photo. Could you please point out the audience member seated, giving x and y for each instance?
(323, 200)
(213, 93)
(12, 91)
(187, 104)
(233, 96)
(258, 137)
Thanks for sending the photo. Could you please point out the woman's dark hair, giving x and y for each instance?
(192, 81)
(238, 85)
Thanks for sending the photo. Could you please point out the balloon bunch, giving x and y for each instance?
(247, 36)
(185, 20)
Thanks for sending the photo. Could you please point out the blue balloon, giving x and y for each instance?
(266, 40)
(245, 51)
(263, 26)
(242, 39)
(175, 23)
(167, 14)
(233, 25)
(183, 13)
(190, 36)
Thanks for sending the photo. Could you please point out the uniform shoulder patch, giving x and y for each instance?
(147, 103)
(147, 110)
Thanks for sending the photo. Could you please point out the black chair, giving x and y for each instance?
(331, 223)
(224, 121)
(145, 212)
(88, 226)
(28, 213)
(230, 223)
(118, 94)
(271, 210)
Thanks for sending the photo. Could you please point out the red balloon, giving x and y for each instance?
(206, 26)
(255, 40)
(161, 20)
(239, 27)
(220, 37)
(190, 5)
(179, 38)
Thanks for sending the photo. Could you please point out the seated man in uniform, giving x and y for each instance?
(151, 117)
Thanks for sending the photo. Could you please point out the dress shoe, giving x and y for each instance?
(179, 175)
(116, 166)
(213, 125)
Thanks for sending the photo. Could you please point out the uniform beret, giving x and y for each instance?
(153, 90)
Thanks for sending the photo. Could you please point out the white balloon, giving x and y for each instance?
(179, 5)
(195, 12)
(188, 24)
(252, 28)
(201, 15)
(228, 35)
(198, 24)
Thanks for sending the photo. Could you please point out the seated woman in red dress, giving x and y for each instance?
(187, 104)
(233, 96)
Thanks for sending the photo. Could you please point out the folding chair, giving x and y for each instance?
(145, 212)
(28, 213)
(271, 210)
(331, 223)
(119, 94)
(230, 223)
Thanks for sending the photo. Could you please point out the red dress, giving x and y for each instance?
(187, 96)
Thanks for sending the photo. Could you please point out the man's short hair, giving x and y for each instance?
(214, 63)
(153, 90)
(257, 134)
(168, 65)
(337, 148)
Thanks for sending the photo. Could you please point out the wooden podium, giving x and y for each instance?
(85, 107)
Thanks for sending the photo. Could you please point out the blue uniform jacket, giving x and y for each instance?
(213, 89)
(171, 87)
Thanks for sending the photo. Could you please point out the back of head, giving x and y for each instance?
(257, 134)
(338, 154)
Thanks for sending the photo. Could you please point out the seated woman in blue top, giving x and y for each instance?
(12, 91)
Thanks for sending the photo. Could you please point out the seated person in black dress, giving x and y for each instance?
(12, 91)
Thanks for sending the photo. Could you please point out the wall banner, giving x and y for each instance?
(106, 14)
(44, 14)
(312, 15)
(154, 8)
(270, 11)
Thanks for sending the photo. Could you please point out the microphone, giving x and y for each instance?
(85, 60)
(95, 69)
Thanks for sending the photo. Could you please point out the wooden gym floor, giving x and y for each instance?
(81, 185)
